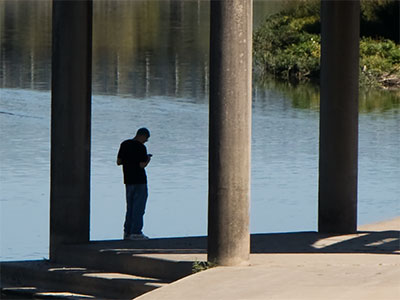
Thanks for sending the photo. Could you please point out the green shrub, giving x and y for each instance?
(283, 48)
(287, 46)
(380, 18)
(379, 63)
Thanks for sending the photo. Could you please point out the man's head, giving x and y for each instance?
(142, 135)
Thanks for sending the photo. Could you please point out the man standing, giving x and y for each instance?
(133, 157)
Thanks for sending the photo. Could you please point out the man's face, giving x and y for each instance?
(144, 138)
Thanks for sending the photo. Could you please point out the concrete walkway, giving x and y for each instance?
(304, 266)
(298, 265)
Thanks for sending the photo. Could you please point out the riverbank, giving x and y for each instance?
(287, 45)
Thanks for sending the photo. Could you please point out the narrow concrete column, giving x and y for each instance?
(338, 154)
(230, 131)
(70, 123)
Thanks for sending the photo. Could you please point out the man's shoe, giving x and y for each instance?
(138, 237)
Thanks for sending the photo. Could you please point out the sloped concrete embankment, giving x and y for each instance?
(103, 270)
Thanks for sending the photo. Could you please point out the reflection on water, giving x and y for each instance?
(135, 55)
(306, 96)
(150, 67)
(140, 48)
(25, 34)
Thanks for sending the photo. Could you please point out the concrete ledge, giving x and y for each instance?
(293, 276)
(42, 275)
(305, 266)
(155, 263)
(302, 265)
(35, 293)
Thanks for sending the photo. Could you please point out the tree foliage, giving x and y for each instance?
(287, 45)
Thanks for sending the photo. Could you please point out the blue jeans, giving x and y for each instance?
(136, 198)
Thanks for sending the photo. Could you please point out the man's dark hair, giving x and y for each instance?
(143, 132)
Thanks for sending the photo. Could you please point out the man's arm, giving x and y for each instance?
(145, 163)
(121, 153)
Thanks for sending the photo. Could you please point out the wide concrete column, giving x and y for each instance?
(230, 131)
(70, 123)
(338, 154)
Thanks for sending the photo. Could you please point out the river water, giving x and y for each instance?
(150, 68)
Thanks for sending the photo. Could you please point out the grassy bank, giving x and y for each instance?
(287, 44)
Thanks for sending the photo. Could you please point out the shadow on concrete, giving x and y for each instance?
(381, 242)
(119, 268)
(374, 242)
(42, 279)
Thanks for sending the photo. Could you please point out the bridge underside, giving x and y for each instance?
(230, 125)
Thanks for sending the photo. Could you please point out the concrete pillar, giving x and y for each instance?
(338, 154)
(230, 131)
(70, 123)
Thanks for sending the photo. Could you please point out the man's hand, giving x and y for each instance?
(145, 163)
(119, 161)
